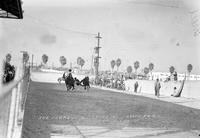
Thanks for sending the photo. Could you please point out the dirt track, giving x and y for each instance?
(49, 104)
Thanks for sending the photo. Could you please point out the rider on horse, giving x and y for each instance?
(69, 80)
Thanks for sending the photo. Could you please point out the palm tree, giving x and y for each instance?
(171, 70)
(189, 69)
(82, 62)
(112, 63)
(129, 70)
(8, 57)
(79, 61)
(25, 57)
(118, 63)
(151, 67)
(63, 60)
(44, 58)
(136, 66)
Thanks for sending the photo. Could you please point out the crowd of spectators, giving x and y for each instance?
(115, 81)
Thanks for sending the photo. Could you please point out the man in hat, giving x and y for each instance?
(157, 88)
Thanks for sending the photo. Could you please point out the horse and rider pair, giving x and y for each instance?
(71, 82)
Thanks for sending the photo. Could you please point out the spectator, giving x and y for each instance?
(9, 70)
(135, 87)
(157, 88)
(175, 76)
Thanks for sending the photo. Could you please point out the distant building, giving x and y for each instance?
(164, 75)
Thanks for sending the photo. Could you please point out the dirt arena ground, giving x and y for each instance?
(49, 104)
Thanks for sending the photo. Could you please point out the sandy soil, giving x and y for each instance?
(49, 103)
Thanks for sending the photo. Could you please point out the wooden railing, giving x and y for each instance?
(12, 102)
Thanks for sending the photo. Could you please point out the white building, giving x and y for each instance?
(164, 75)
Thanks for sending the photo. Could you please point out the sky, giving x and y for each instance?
(157, 31)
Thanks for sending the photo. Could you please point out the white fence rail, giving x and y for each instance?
(12, 101)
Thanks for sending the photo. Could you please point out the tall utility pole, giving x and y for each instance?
(32, 61)
(92, 64)
(70, 65)
(96, 58)
(23, 54)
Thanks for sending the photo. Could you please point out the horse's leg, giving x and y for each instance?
(87, 87)
(67, 86)
(73, 86)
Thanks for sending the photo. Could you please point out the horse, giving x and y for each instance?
(69, 81)
(72, 82)
(75, 82)
(86, 83)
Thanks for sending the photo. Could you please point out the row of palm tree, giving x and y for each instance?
(117, 63)
(136, 66)
(63, 60)
(189, 69)
(146, 70)
(151, 67)
(114, 63)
